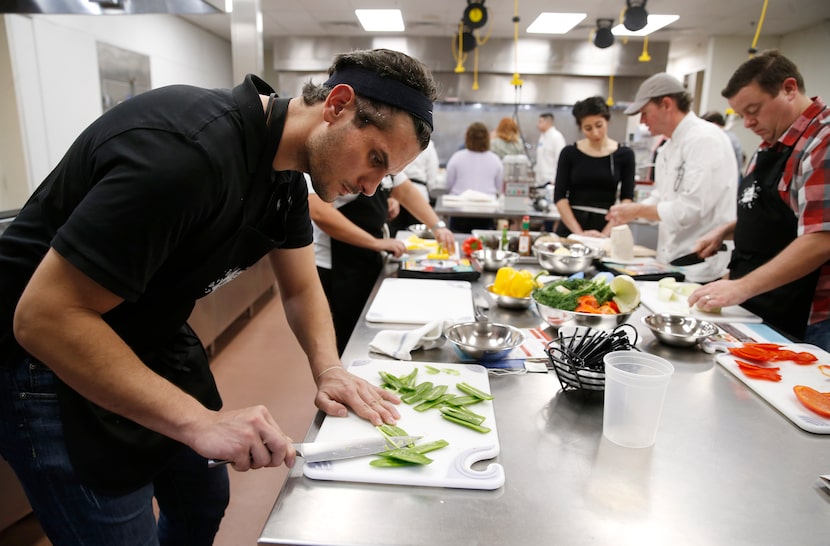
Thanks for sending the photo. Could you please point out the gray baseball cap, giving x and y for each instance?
(658, 85)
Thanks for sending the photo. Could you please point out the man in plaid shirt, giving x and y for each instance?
(779, 269)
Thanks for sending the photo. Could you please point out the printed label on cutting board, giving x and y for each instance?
(419, 301)
(780, 394)
(733, 313)
(452, 466)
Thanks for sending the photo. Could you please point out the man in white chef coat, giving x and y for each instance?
(548, 149)
(695, 183)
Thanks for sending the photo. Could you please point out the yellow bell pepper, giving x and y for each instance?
(504, 276)
(522, 284)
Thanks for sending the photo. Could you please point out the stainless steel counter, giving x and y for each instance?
(498, 212)
(727, 468)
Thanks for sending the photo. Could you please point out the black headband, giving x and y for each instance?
(372, 85)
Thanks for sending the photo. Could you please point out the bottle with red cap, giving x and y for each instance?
(524, 237)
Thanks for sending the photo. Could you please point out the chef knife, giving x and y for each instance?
(691, 258)
(314, 452)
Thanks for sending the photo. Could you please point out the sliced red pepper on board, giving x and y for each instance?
(771, 352)
(824, 369)
(813, 400)
(769, 346)
(751, 353)
(754, 366)
(805, 358)
(759, 372)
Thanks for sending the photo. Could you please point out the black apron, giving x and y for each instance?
(354, 270)
(115, 455)
(765, 226)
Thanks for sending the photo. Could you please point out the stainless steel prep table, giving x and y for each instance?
(726, 469)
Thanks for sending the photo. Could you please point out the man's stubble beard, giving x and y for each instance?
(320, 161)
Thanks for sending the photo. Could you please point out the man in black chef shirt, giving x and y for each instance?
(107, 397)
(780, 269)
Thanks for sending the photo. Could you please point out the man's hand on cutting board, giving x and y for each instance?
(338, 390)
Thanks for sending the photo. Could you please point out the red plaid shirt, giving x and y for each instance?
(805, 185)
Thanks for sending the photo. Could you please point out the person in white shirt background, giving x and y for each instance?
(423, 172)
(695, 182)
(718, 119)
(348, 241)
(548, 149)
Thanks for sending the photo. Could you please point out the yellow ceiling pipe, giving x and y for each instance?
(516, 81)
(645, 57)
(610, 101)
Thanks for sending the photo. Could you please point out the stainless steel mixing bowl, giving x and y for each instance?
(492, 259)
(677, 330)
(559, 317)
(509, 302)
(565, 258)
(421, 230)
(484, 340)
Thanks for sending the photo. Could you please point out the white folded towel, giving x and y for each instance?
(399, 343)
(471, 198)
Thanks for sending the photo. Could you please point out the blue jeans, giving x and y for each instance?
(818, 334)
(192, 498)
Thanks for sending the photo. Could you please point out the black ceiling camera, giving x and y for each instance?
(475, 14)
(636, 16)
(603, 37)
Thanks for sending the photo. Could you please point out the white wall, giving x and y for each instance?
(56, 80)
(12, 161)
(809, 49)
(719, 56)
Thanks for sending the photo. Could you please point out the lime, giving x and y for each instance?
(626, 293)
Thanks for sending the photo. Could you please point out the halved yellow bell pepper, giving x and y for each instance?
(521, 285)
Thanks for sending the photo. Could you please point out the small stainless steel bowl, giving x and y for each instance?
(677, 330)
(421, 230)
(559, 317)
(493, 259)
(509, 302)
(565, 258)
(484, 340)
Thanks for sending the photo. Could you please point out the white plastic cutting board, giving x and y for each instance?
(734, 313)
(780, 395)
(451, 466)
(419, 301)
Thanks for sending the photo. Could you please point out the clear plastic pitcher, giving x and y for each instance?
(635, 387)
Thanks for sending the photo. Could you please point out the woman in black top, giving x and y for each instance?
(590, 173)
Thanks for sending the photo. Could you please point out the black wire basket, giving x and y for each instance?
(577, 358)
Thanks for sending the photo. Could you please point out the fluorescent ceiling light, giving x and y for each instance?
(655, 22)
(555, 23)
(380, 20)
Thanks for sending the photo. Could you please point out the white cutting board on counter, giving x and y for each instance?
(780, 394)
(733, 313)
(419, 301)
(452, 466)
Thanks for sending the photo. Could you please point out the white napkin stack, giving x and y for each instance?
(400, 343)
